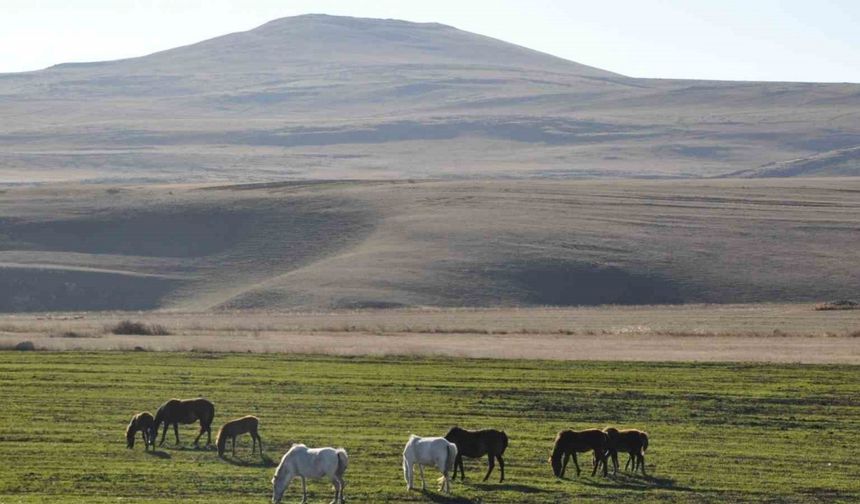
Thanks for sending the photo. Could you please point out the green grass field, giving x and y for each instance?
(719, 432)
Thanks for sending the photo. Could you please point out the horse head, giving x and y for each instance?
(280, 481)
(453, 433)
(129, 435)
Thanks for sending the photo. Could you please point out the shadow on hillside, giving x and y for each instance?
(159, 454)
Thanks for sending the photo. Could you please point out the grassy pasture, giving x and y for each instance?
(719, 432)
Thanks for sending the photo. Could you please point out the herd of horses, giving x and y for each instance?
(445, 453)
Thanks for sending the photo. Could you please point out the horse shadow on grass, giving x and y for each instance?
(193, 448)
(159, 454)
(507, 487)
(446, 499)
(264, 461)
(630, 482)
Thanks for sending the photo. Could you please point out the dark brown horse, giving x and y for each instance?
(568, 443)
(631, 441)
(185, 411)
(476, 444)
(142, 422)
(245, 425)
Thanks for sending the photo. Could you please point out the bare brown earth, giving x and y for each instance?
(758, 333)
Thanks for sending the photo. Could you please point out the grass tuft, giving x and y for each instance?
(127, 327)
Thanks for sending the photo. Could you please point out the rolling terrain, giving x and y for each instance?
(346, 245)
(323, 97)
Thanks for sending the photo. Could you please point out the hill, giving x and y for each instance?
(324, 245)
(326, 97)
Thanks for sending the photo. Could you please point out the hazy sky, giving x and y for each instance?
(797, 40)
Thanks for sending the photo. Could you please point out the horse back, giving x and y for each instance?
(583, 441)
(478, 443)
(631, 440)
(144, 420)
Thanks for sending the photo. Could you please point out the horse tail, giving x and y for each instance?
(342, 461)
(210, 413)
(644, 443)
(504, 441)
(452, 457)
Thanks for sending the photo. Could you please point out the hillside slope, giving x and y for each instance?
(328, 97)
(381, 244)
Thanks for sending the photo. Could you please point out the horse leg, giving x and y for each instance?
(642, 463)
(260, 441)
(234, 446)
(336, 485)
(491, 463)
(421, 472)
(614, 455)
(202, 430)
(501, 467)
(564, 462)
(176, 431)
(605, 463)
(576, 463)
(407, 473)
(304, 491)
(163, 434)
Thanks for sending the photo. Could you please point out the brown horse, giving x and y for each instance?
(185, 411)
(245, 425)
(631, 441)
(475, 444)
(568, 443)
(142, 422)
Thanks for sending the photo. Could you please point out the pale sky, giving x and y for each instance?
(792, 40)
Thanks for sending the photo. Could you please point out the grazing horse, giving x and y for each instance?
(185, 411)
(142, 422)
(314, 463)
(475, 444)
(245, 425)
(631, 441)
(568, 443)
(436, 451)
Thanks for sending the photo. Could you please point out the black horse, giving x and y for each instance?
(476, 444)
(185, 411)
(568, 443)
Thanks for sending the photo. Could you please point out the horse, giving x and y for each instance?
(314, 463)
(142, 422)
(436, 451)
(631, 441)
(568, 443)
(476, 444)
(185, 411)
(245, 425)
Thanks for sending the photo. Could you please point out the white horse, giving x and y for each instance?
(436, 451)
(314, 463)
